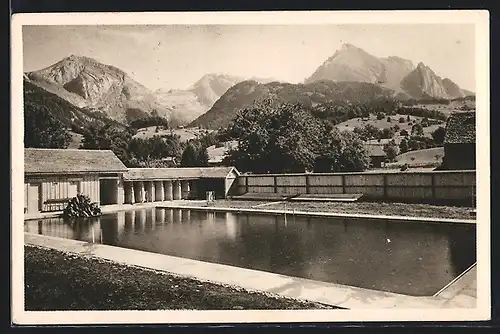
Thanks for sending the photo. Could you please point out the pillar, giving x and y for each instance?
(159, 191)
(139, 192)
(142, 191)
(120, 192)
(184, 189)
(129, 192)
(153, 191)
(177, 190)
(168, 190)
(149, 191)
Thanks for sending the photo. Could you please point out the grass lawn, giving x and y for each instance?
(60, 281)
(375, 208)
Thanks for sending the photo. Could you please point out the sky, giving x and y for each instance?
(176, 56)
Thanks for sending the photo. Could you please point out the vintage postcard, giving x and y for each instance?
(250, 167)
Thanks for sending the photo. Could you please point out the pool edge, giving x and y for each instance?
(342, 296)
(320, 214)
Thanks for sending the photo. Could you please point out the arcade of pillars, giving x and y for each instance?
(155, 191)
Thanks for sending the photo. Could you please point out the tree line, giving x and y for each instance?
(290, 138)
(43, 130)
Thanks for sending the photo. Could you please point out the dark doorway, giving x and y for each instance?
(108, 191)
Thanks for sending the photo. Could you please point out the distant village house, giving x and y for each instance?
(460, 141)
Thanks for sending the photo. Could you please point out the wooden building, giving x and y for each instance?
(460, 141)
(158, 184)
(53, 176)
(376, 154)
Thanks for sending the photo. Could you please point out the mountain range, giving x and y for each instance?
(84, 89)
(246, 93)
(197, 99)
(88, 84)
(351, 63)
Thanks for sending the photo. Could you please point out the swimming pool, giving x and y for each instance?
(413, 258)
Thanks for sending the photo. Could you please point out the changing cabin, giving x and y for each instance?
(53, 176)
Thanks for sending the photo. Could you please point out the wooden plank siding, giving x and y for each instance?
(439, 185)
(60, 187)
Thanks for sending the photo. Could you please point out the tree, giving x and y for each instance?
(417, 130)
(42, 129)
(401, 119)
(189, 156)
(403, 146)
(408, 119)
(341, 151)
(438, 135)
(380, 116)
(274, 138)
(389, 120)
(108, 138)
(391, 150)
(202, 159)
(371, 132)
(424, 122)
(404, 133)
(387, 133)
(194, 156)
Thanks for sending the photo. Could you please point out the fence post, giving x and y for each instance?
(343, 184)
(246, 184)
(275, 184)
(433, 184)
(385, 185)
(307, 184)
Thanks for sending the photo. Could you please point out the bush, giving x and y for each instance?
(401, 120)
(80, 207)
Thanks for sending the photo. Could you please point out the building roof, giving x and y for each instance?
(461, 128)
(375, 150)
(68, 161)
(178, 173)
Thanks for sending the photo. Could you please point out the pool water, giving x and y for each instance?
(414, 258)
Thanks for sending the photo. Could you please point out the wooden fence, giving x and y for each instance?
(414, 186)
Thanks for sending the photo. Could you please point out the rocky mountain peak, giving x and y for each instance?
(351, 63)
(87, 83)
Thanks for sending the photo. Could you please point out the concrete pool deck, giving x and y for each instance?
(459, 294)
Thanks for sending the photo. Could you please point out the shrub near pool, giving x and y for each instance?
(59, 281)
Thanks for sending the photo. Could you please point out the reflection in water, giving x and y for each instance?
(411, 258)
(160, 217)
(231, 225)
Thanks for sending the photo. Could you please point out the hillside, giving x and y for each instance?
(70, 115)
(420, 157)
(246, 93)
(384, 124)
(351, 63)
(86, 83)
(184, 134)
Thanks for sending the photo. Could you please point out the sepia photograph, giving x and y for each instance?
(250, 167)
